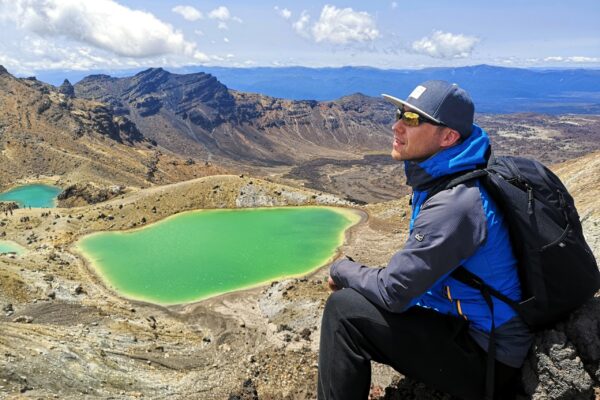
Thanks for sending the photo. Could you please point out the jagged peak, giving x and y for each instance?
(67, 88)
(152, 72)
(3, 70)
(96, 77)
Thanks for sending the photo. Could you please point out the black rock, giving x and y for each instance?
(67, 89)
(247, 392)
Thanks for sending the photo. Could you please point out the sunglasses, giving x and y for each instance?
(413, 119)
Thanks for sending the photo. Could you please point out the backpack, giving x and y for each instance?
(556, 267)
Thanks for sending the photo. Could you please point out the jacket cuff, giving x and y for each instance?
(338, 268)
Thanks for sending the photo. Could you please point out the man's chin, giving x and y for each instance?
(396, 155)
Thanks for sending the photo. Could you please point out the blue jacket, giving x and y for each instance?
(457, 226)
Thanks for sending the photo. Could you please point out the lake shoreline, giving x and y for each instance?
(359, 216)
(42, 180)
(18, 193)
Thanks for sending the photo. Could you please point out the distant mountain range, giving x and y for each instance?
(494, 89)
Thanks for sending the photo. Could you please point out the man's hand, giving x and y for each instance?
(332, 286)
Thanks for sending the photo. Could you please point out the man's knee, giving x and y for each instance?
(344, 303)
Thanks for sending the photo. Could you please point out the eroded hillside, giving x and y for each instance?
(44, 131)
(196, 115)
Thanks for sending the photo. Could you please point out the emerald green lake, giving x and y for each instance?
(7, 246)
(35, 196)
(195, 255)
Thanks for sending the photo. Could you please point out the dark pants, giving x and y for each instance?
(423, 344)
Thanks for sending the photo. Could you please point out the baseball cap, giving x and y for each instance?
(443, 102)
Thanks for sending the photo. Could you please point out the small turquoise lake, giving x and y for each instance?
(199, 254)
(35, 195)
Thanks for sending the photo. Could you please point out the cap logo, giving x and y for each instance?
(419, 90)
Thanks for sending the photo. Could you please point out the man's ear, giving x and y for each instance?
(450, 137)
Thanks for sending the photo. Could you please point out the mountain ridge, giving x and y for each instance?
(46, 132)
(578, 90)
(195, 114)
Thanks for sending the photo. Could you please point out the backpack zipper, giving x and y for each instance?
(459, 310)
(529, 198)
(448, 295)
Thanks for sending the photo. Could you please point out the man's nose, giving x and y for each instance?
(398, 126)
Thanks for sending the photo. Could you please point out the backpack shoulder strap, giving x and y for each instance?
(456, 180)
(465, 276)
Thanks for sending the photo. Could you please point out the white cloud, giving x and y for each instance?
(572, 59)
(394, 4)
(226, 40)
(75, 35)
(37, 53)
(103, 24)
(339, 26)
(221, 13)
(188, 12)
(301, 25)
(283, 12)
(446, 45)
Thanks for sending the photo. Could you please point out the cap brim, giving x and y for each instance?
(400, 103)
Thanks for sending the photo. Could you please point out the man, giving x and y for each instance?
(413, 315)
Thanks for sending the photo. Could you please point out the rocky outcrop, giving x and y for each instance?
(148, 106)
(88, 193)
(247, 392)
(99, 118)
(67, 89)
(199, 97)
(563, 363)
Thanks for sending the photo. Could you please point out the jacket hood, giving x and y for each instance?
(465, 156)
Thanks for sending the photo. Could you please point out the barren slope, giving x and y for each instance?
(44, 132)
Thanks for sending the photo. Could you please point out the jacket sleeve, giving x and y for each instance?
(449, 229)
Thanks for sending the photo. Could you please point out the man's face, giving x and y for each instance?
(416, 143)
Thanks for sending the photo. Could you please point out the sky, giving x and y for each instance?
(112, 35)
